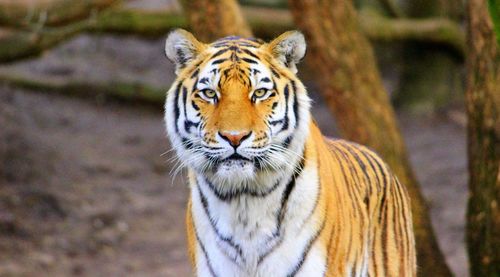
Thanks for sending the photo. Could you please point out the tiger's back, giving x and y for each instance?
(369, 209)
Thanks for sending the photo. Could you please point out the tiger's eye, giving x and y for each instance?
(259, 93)
(210, 93)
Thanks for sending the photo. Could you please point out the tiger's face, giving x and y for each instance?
(237, 111)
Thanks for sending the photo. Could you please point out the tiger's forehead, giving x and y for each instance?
(234, 58)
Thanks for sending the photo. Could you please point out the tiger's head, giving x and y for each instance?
(237, 112)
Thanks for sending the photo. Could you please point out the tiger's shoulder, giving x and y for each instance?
(363, 167)
(355, 152)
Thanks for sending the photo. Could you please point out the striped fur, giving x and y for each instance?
(270, 196)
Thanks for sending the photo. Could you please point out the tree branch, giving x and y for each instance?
(434, 30)
(15, 44)
(24, 13)
(133, 92)
(392, 8)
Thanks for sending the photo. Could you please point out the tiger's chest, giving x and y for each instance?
(252, 236)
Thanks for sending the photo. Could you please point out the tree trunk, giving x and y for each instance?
(211, 20)
(350, 83)
(483, 108)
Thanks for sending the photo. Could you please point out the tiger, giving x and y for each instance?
(271, 196)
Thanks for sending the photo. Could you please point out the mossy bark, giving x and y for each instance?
(483, 109)
(26, 13)
(343, 60)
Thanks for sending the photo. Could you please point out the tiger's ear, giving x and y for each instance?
(289, 48)
(181, 47)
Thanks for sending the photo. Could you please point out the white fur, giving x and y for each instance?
(296, 231)
(179, 48)
(291, 49)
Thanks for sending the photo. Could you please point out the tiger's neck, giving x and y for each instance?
(247, 228)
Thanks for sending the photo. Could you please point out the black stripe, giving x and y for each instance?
(229, 239)
(184, 100)
(316, 203)
(275, 74)
(251, 54)
(181, 57)
(196, 107)
(188, 124)
(384, 185)
(344, 161)
(285, 124)
(176, 105)
(187, 143)
(265, 80)
(361, 164)
(295, 103)
(195, 73)
(203, 80)
(288, 190)
(398, 237)
(212, 272)
(276, 122)
(371, 166)
(287, 141)
(402, 209)
(280, 216)
(351, 187)
(229, 196)
(213, 147)
(306, 250)
(250, 60)
(219, 61)
(385, 233)
(234, 57)
(234, 48)
(218, 53)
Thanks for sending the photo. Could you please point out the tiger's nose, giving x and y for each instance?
(235, 137)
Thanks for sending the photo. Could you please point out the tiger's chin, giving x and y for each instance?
(235, 171)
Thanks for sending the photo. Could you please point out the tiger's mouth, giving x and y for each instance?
(236, 157)
(235, 163)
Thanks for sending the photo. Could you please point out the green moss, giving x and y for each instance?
(138, 22)
(494, 8)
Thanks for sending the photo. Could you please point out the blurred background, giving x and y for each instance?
(86, 187)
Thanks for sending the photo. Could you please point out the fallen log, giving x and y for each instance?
(132, 92)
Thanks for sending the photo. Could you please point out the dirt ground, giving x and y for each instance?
(87, 189)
